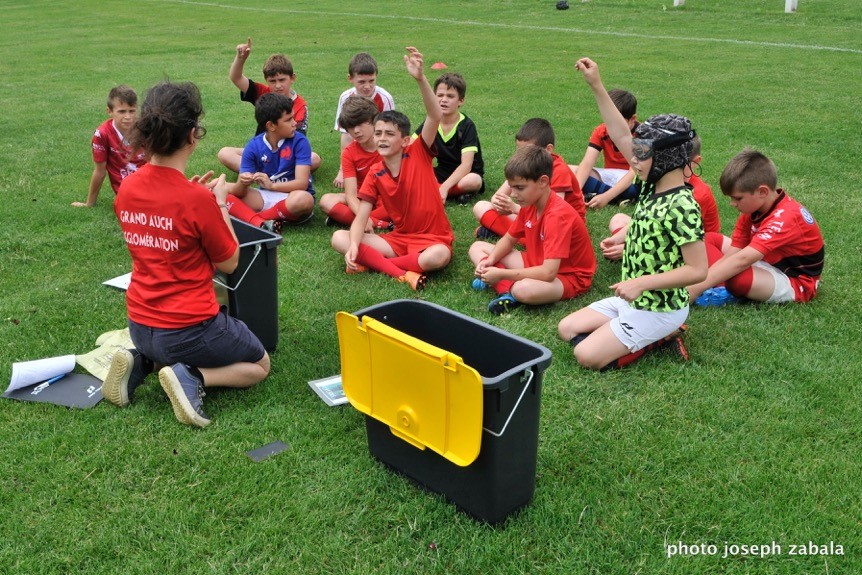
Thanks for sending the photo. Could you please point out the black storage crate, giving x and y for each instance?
(252, 288)
(503, 477)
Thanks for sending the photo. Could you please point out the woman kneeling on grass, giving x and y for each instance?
(178, 231)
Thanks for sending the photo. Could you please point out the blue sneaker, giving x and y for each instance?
(503, 304)
(128, 370)
(478, 284)
(186, 393)
(716, 297)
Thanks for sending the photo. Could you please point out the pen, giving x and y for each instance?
(45, 384)
(54, 379)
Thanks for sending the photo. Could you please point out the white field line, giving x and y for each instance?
(453, 22)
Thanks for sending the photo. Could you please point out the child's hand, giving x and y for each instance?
(611, 250)
(243, 50)
(629, 290)
(245, 179)
(415, 62)
(491, 274)
(81, 205)
(589, 69)
(338, 182)
(598, 202)
(502, 203)
(350, 256)
(263, 180)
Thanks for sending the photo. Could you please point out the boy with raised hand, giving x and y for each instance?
(460, 168)
(776, 252)
(663, 252)
(614, 182)
(112, 155)
(558, 262)
(421, 240)
(362, 73)
(612, 246)
(278, 161)
(497, 215)
(357, 117)
(279, 75)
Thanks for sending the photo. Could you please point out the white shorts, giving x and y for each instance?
(610, 176)
(270, 198)
(783, 292)
(637, 328)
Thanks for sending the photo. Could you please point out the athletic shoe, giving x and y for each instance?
(359, 269)
(128, 370)
(483, 233)
(329, 222)
(274, 226)
(186, 393)
(414, 279)
(383, 225)
(716, 297)
(478, 284)
(464, 199)
(301, 221)
(678, 347)
(503, 304)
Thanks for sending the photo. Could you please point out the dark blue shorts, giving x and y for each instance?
(219, 341)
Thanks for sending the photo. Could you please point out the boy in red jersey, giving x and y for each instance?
(614, 182)
(776, 252)
(558, 262)
(404, 180)
(357, 117)
(112, 155)
(279, 75)
(497, 215)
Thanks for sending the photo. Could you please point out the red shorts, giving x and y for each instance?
(403, 244)
(574, 285)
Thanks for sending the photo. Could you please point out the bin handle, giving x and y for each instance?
(530, 375)
(256, 253)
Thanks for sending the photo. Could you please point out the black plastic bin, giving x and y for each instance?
(502, 479)
(252, 289)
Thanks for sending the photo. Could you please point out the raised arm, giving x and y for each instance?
(618, 128)
(416, 67)
(236, 68)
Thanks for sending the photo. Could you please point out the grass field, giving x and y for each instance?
(758, 439)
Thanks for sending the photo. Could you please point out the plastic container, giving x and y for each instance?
(252, 288)
(409, 365)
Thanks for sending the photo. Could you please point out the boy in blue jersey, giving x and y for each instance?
(278, 161)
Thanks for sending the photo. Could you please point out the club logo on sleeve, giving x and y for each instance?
(806, 215)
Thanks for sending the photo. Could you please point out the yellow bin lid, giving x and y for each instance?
(426, 395)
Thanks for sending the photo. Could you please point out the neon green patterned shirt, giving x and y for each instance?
(661, 225)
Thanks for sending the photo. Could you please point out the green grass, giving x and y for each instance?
(756, 440)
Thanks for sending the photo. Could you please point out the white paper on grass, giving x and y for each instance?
(120, 282)
(26, 373)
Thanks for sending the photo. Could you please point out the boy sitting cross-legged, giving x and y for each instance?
(422, 237)
(279, 162)
(558, 262)
(357, 117)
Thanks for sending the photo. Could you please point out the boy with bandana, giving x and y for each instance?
(664, 250)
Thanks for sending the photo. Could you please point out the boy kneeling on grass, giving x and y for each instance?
(558, 262)
(663, 251)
